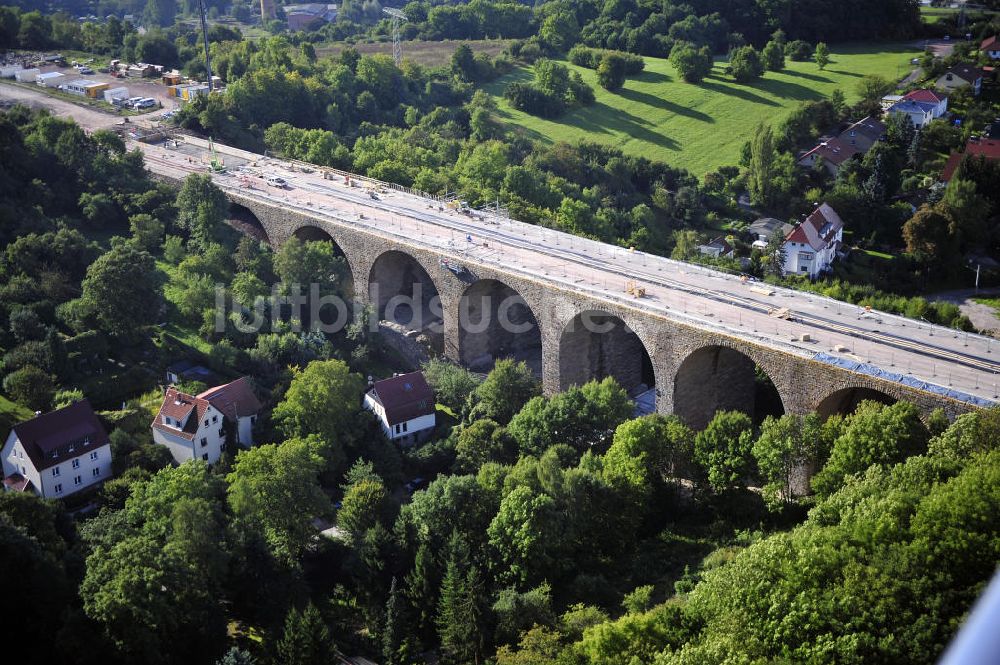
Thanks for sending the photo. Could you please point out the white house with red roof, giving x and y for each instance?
(925, 96)
(404, 405)
(202, 426)
(811, 247)
(58, 453)
(921, 107)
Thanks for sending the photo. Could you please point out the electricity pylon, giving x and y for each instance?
(397, 17)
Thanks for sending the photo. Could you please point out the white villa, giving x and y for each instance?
(58, 453)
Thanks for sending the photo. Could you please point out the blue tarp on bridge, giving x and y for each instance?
(905, 379)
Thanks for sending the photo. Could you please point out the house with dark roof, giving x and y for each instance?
(404, 405)
(919, 113)
(764, 229)
(991, 47)
(986, 148)
(203, 426)
(57, 454)
(857, 139)
(717, 248)
(960, 76)
(811, 247)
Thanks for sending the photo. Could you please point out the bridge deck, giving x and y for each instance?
(708, 298)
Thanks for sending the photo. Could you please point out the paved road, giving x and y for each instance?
(679, 291)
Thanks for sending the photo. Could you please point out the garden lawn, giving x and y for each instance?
(702, 126)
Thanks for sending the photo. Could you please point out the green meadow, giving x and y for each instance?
(702, 126)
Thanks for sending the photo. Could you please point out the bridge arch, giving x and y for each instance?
(595, 344)
(846, 400)
(313, 233)
(495, 321)
(245, 221)
(402, 290)
(719, 377)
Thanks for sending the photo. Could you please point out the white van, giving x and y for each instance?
(275, 181)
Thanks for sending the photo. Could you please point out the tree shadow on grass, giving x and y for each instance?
(741, 93)
(843, 73)
(789, 90)
(651, 77)
(660, 103)
(601, 119)
(811, 77)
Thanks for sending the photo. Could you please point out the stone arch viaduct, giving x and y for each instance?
(571, 336)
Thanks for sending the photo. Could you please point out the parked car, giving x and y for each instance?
(275, 181)
(145, 103)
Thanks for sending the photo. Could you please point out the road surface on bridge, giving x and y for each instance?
(680, 291)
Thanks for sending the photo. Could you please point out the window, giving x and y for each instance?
(55, 472)
(205, 457)
(806, 256)
(223, 447)
(76, 464)
(804, 269)
(253, 419)
(397, 429)
(166, 420)
(206, 422)
(86, 441)
(96, 472)
(204, 442)
(215, 419)
(222, 432)
(58, 488)
(404, 426)
(93, 455)
(77, 480)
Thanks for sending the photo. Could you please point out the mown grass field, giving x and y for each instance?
(702, 126)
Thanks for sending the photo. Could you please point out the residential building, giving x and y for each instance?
(961, 76)
(717, 248)
(919, 113)
(203, 426)
(986, 148)
(238, 403)
(991, 47)
(857, 139)
(404, 405)
(924, 95)
(811, 247)
(58, 453)
(764, 229)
